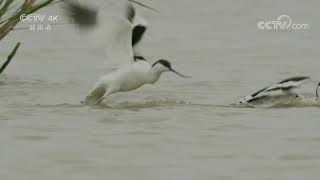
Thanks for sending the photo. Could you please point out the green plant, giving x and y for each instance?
(10, 17)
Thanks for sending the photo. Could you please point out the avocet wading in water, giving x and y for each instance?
(277, 94)
(138, 71)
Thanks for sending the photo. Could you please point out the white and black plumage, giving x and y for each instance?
(280, 92)
(317, 94)
(138, 71)
(138, 31)
(86, 17)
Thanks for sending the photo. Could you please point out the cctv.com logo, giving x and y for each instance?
(283, 22)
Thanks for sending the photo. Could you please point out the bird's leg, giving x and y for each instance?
(100, 100)
(95, 96)
(109, 91)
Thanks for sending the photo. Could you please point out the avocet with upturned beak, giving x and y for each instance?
(276, 94)
(138, 71)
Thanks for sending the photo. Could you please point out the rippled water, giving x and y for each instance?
(177, 128)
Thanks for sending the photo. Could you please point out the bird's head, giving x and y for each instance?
(164, 66)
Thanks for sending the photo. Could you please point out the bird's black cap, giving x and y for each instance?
(164, 63)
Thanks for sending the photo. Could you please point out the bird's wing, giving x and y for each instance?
(130, 38)
(259, 99)
(276, 100)
(83, 16)
(143, 5)
(119, 46)
(287, 84)
(140, 28)
(294, 79)
(260, 91)
(119, 40)
(137, 34)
